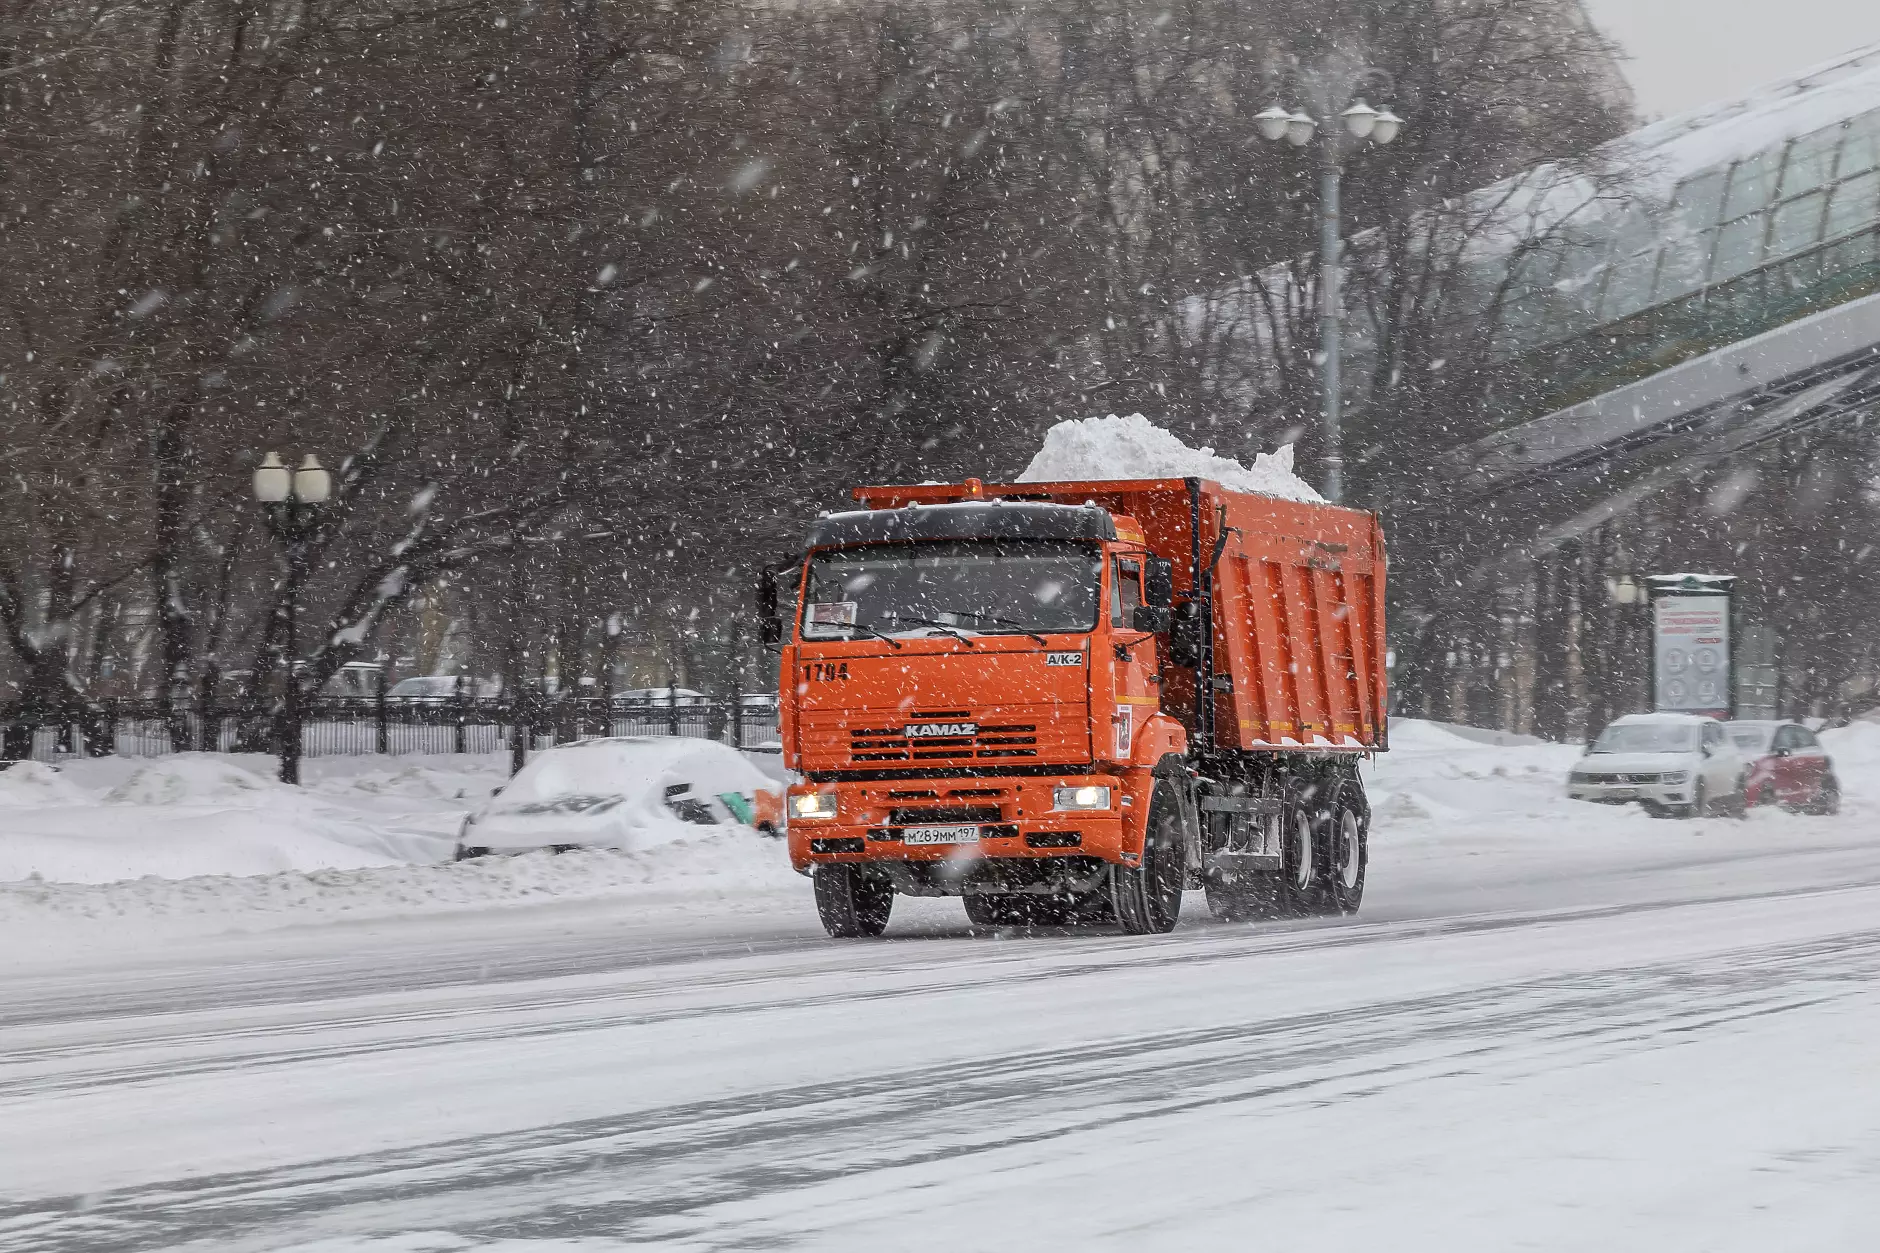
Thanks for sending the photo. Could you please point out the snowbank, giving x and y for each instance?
(225, 814)
(1136, 448)
(723, 864)
(224, 819)
(244, 853)
(33, 783)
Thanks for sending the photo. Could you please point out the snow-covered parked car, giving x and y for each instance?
(627, 792)
(660, 697)
(1672, 764)
(1787, 766)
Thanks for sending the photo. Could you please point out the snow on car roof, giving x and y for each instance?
(624, 765)
(1663, 715)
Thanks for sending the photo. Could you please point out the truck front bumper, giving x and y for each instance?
(1012, 818)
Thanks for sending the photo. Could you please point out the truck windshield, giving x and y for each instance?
(987, 587)
(1646, 737)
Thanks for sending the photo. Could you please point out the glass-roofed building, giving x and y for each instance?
(1745, 216)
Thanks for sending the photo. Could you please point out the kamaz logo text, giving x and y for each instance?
(940, 730)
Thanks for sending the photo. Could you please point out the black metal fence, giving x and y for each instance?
(347, 726)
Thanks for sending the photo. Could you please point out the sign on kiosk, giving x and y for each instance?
(1691, 643)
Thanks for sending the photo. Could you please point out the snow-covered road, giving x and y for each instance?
(1552, 1027)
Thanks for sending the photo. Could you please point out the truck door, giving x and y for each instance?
(1137, 680)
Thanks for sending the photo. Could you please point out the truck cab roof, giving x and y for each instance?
(991, 519)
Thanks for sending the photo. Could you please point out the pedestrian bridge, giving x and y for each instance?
(1732, 302)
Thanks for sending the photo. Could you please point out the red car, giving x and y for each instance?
(1788, 767)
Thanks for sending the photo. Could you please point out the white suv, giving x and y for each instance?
(1672, 764)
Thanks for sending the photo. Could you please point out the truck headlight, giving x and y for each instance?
(1085, 797)
(1675, 776)
(813, 805)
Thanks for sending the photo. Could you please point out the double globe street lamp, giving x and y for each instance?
(1361, 124)
(290, 501)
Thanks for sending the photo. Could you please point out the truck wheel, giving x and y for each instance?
(1148, 897)
(1304, 878)
(1349, 850)
(851, 903)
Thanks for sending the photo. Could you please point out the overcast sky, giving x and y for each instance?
(1685, 53)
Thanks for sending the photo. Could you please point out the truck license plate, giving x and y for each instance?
(940, 835)
(1622, 793)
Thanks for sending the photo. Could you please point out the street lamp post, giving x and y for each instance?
(1628, 597)
(1361, 123)
(290, 501)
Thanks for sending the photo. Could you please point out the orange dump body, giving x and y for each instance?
(1298, 594)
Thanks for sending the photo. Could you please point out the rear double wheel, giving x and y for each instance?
(1148, 895)
(1348, 850)
(1303, 891)
(1327, 848)
(851, 902)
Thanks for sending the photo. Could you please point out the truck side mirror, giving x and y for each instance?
(1158, 584)
(770, 622)
(1154, 618)
(1184, 641)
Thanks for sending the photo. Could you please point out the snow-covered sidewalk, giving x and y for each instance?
(201, 844)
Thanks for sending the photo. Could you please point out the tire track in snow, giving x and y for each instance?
(1087, 955)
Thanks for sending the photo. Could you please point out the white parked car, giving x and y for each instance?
(1672, 764)
(435, 689)
(624, 792)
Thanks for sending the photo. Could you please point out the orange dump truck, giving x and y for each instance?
(1075, 701)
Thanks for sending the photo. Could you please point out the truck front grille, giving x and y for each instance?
(907, 816)
(888, 744)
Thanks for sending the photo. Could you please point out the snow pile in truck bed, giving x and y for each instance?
(1136, 448)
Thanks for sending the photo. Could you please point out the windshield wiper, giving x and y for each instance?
(856, 626)
(1020, 627)
(938, 625)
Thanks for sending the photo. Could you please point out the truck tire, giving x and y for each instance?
(851, 903)
(1303, 879)
(1348, 852)
(1148, 896)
